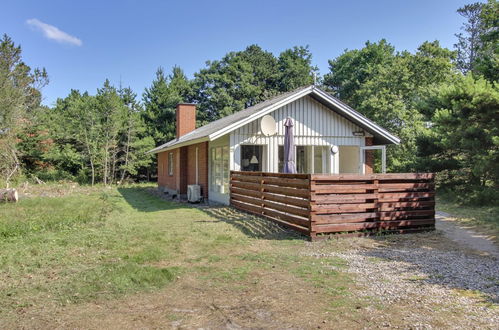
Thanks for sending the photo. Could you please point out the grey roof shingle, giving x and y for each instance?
(217, 125)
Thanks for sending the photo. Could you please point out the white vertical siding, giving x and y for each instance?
(314, 124)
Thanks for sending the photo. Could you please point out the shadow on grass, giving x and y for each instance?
(146, 200)
(251, 225)
(149, 200)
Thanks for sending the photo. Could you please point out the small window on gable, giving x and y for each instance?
(170, 163)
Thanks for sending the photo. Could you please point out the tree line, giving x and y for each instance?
(442, 103)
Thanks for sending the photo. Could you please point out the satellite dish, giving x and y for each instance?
(267, 125)
(334, 150)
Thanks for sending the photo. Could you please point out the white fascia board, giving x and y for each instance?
(182, 144)
(259, 114)
(380, 130)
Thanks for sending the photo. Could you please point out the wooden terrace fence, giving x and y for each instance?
(318, 205)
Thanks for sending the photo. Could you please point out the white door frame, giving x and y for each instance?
(362, 157)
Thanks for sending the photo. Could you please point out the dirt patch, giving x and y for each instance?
(464, 236)
(409, 281)
(268, 300)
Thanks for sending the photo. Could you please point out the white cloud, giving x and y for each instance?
(52, 32)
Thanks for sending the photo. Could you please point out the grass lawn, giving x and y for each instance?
(481, 218)
(103, 244)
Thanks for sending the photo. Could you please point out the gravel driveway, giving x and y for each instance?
(432, 280)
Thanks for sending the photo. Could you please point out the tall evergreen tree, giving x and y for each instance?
(387, 87)
(295, 68)
(237, 81)
(463, 145)
(487, 62)
(160, 100)
(244, 78)
(134, 141)
(19, 97)
(349, 71)
(469, 41)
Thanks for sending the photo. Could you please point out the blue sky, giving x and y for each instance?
(128, 40)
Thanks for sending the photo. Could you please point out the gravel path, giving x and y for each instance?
(431, 284)
(447, 224)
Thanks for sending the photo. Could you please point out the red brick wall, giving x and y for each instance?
(202, 166)
(184, 169)
(181, 174)
(164, 179)
(186, 118)
(369, 168)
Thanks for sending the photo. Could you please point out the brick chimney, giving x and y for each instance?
(186, 118)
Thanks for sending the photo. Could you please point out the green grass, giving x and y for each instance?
(482, 218)
(104, 243)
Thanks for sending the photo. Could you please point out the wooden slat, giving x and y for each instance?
(332, 228)
(271, 174)
(339, 190)
(393, 205)
(416, 194)
(388, 187)
(340, 218)
(298, 228)
(405, 196)
(405, 214)
(344, 198)
(246, 207)
(331, 188)
(246, 199)
(286, 217)
(294, 183)
(246, 185)
(406, 223)
(246, 192)
(286, 208)
(295, 192)
(245, 173)
(379, 176)
(246, 178)
(301, 202)
(342, 208)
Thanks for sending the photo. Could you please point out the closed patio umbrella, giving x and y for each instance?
(289, 147)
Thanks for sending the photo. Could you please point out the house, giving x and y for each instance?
(330, 137)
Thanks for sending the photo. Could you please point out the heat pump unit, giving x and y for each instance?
(194, 193)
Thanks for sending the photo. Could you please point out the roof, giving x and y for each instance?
(227, 124)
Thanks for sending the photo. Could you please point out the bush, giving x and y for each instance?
(51, 175)
(470, 195)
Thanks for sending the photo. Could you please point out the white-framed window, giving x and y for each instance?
(219, 165)
(170, 163)
(308, 159)
(252, 157)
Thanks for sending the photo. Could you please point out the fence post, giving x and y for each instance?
(262, 197)
(230, 187)
(311, 220)
(376, 201)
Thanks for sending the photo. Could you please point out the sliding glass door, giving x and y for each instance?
(309, 159)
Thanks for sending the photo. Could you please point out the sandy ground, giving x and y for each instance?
(450, 228)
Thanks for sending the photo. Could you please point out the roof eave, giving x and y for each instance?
(260, 113)
(159, 149)
(357, 117)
